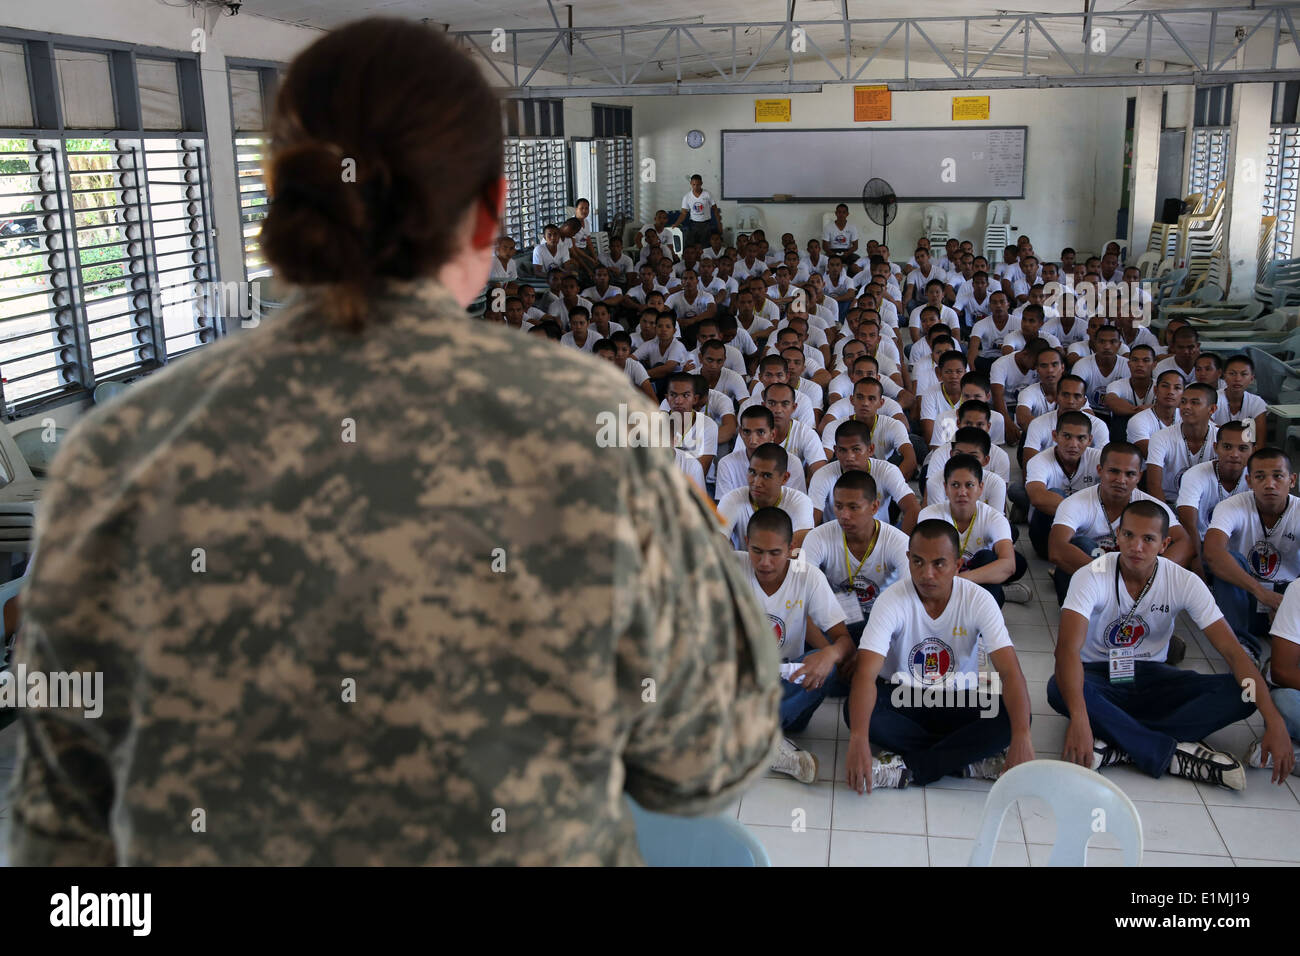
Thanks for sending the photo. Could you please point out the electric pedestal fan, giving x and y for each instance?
(881, 204)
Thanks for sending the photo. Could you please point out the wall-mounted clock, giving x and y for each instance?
(695, 139)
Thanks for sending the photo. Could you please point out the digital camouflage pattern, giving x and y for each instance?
(484, 699)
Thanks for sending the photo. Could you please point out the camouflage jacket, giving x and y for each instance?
(380, 598)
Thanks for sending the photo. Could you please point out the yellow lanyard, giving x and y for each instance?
(788, 436)
(848, 565)
(945, 396)
(779, 501)
(969, 530)
(875, 423)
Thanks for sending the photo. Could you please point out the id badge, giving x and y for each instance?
(1122, 661)
(849, 604)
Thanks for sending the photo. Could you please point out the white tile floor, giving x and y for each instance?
(1184, 824)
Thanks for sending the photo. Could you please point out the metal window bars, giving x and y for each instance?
(1282, 185)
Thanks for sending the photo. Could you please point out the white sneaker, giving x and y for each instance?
(1106, 755)
(1196, 761)
(1017, 592)
(990, 768)
(1255, 759)
(799, 764)
(889, 771)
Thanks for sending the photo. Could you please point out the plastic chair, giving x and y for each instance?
(1276, 382)
(666, 840)
(935, 219)
(1075, 795)
(998, 212)
(38, 452)
(106, 390)
(1147, 263)
(1123, 248)
(749, 218)
(679, 240)
(8, 591)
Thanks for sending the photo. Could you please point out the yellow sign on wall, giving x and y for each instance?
(970, 107)
(772, 111)
(871, 104)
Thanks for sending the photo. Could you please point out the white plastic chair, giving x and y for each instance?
(935, 219)
(1075, 795)
(679, 240)
(749, 218)
(998, 213)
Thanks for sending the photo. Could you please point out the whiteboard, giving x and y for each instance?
(832, 165)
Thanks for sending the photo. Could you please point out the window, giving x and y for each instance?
(1282, 180)
(106, 251)
(612, 128)
(251, 92)
(1212, 118)
(609, 121)
(537, 171)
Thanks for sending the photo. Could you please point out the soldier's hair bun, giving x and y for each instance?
(383, 135)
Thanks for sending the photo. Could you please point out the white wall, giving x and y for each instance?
(1074, 161)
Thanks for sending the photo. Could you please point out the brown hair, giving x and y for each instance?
(412, 117)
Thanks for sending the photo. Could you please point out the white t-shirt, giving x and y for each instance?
(1038, 435)
(988, 527)
(689, 465)
(803, 594)
(1201, 489)
(947, 315)
(891, 486)
(676, 352)
(1078, 330)
(731, 384)
(802, 445)
(1168, 450)
(825, 548)
(701, 436)
(1046, 470)
(700, 207)
(638, 292)
(733, 472)
(1286, 623)
(622, 265)
(839, 238)
(1083, 513)
(803, 406)
(926, 652)
(1113, 622)
(503, 272)
(1032, 397)
(1251, 405)
(1124, 389)
(636, 373)
(592, 294)
(736, 510)
(1006, 372)
(685, 310)
(974, 309)
(545, 260)
(592, 338)
(561, 311)
(888, 434)
(1171, 365)
(1275, 557)
(1145, 424)
(991, 337)
(1098, 381)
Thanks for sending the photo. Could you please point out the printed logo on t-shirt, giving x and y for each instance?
(931, 661)
(867, 593)
(1098, 398)
(1130, 636)
(1264, 560)
(1105, 545)
(778, 627)
(697, 206)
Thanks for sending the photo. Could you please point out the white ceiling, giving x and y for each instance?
(484, 15)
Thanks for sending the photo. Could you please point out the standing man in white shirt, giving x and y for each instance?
(698, 212)
(924, 635)
(1124, 703)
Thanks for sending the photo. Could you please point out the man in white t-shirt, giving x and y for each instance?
(1252, 550)
(1235, 403)
(1070, 397)
(1173, 450)
(889, 439)
(551, 252)
(1124, 703)
(698, 211)
(794, 593)
(854, 452)
(859, 553)
(1205, 485)
(693, 431)
(921, 645)
(1086, 522)
(1070, 465)
(973, 441)
(840, 238)
(1284, 674)
(765, 488)
(988, 555)
(1163, 412)
(618, 349)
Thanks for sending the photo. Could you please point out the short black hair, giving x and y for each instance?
(963, 463)
(973, 436)
(771, 519)
(932, 529)
(1149, 510)
(771, 451)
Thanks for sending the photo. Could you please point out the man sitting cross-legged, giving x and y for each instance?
(1124, 703)
(794, 593)
(921, 644)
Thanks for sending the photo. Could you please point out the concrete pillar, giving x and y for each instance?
(229, 242)
(1252, 113)
(1142, 175)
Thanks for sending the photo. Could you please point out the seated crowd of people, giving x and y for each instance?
(854, 420)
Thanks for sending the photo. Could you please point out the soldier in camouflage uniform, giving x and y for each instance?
(378, 596)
